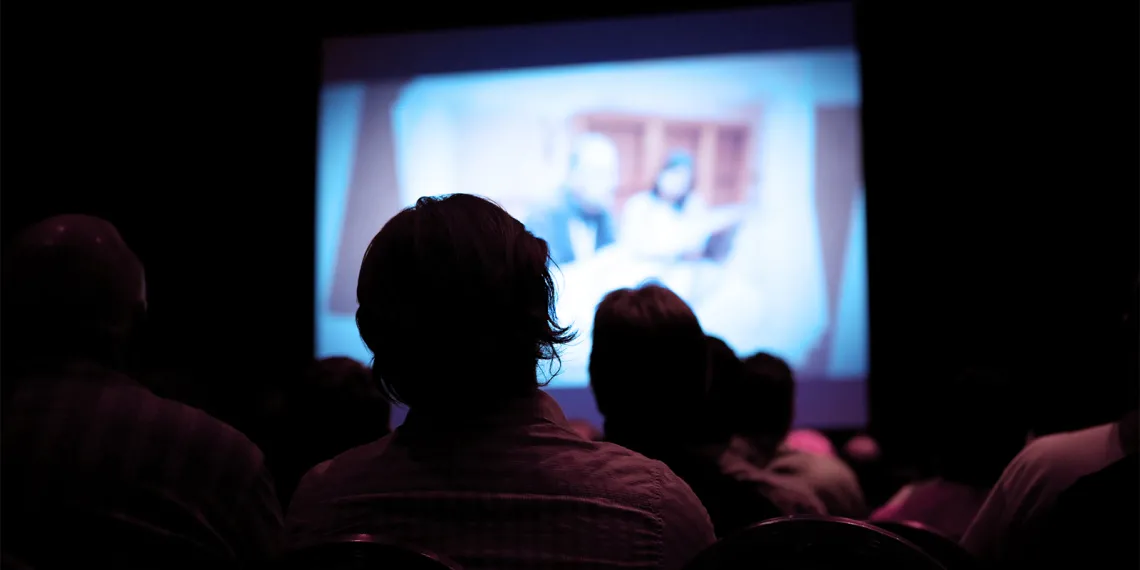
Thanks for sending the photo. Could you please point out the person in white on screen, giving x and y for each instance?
(579, 223)
(457, 305)
(670, 221)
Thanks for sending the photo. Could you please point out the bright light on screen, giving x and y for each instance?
(759, 224)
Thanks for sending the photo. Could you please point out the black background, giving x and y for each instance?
(1001, 165)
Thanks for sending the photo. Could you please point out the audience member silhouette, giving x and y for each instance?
(762, 403)
(335, 407)
(1013, 526)
(95, 465)
(648, 367)
(973, 428)
(457, 306)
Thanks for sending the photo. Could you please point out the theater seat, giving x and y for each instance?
(360, 552)
(940, 547)
(814, 543)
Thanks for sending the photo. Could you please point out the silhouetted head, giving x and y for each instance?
(457, 305)
(333, 407)
(73, 290)
(593, 175)
(766, 402)
(340, 389)
(648, 364)
(975, 425)
(725, 372)
(676, 179)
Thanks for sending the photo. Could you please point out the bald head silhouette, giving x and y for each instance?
(73, 289)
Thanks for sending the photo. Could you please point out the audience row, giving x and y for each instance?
(486, 469)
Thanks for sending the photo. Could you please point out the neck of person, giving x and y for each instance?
(35, 358)
(470, 411)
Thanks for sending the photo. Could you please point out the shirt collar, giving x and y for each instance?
(535, 408)
(85, 371)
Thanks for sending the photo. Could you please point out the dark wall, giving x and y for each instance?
(1001, 149)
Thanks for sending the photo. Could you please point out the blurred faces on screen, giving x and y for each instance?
(674, 182)
(593, 176)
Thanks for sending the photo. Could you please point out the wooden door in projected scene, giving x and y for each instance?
(722, 151)
(838, 179)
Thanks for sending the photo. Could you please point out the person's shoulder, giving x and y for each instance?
(609, 460)
(1049, 464)
(1058, 451)
(327, 477)
(354, 460)
(642, 480)
(203, 430)
(656, 487)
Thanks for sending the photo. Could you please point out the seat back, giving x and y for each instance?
(937, 545)
(814, 543)
(361, 552)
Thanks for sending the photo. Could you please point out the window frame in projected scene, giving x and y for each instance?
(820, 403)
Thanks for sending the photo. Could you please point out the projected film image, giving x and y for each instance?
(734, 180)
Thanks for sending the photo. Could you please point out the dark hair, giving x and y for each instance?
(649, 359)
(457, 304)
(765, 403)
(677, 159)
(974, 426)
(340, 378)
(725, 372)
(334, 407)
(72, 289)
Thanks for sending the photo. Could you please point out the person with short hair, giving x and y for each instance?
(971, 430)
(1015, 525)
(95, 465)
(648, 370)
(457, 306)
(334, 407)
(763, 404)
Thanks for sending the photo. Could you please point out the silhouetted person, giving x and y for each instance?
(762, 405)
(580, 222)
(335, 407)
(972, 428)
(457, 306)
(648, 367)
(95, 466)
(1015, 526)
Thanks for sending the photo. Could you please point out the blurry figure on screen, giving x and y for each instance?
(579, 222)
(762, 404)
(457, 305)
(670, 221)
